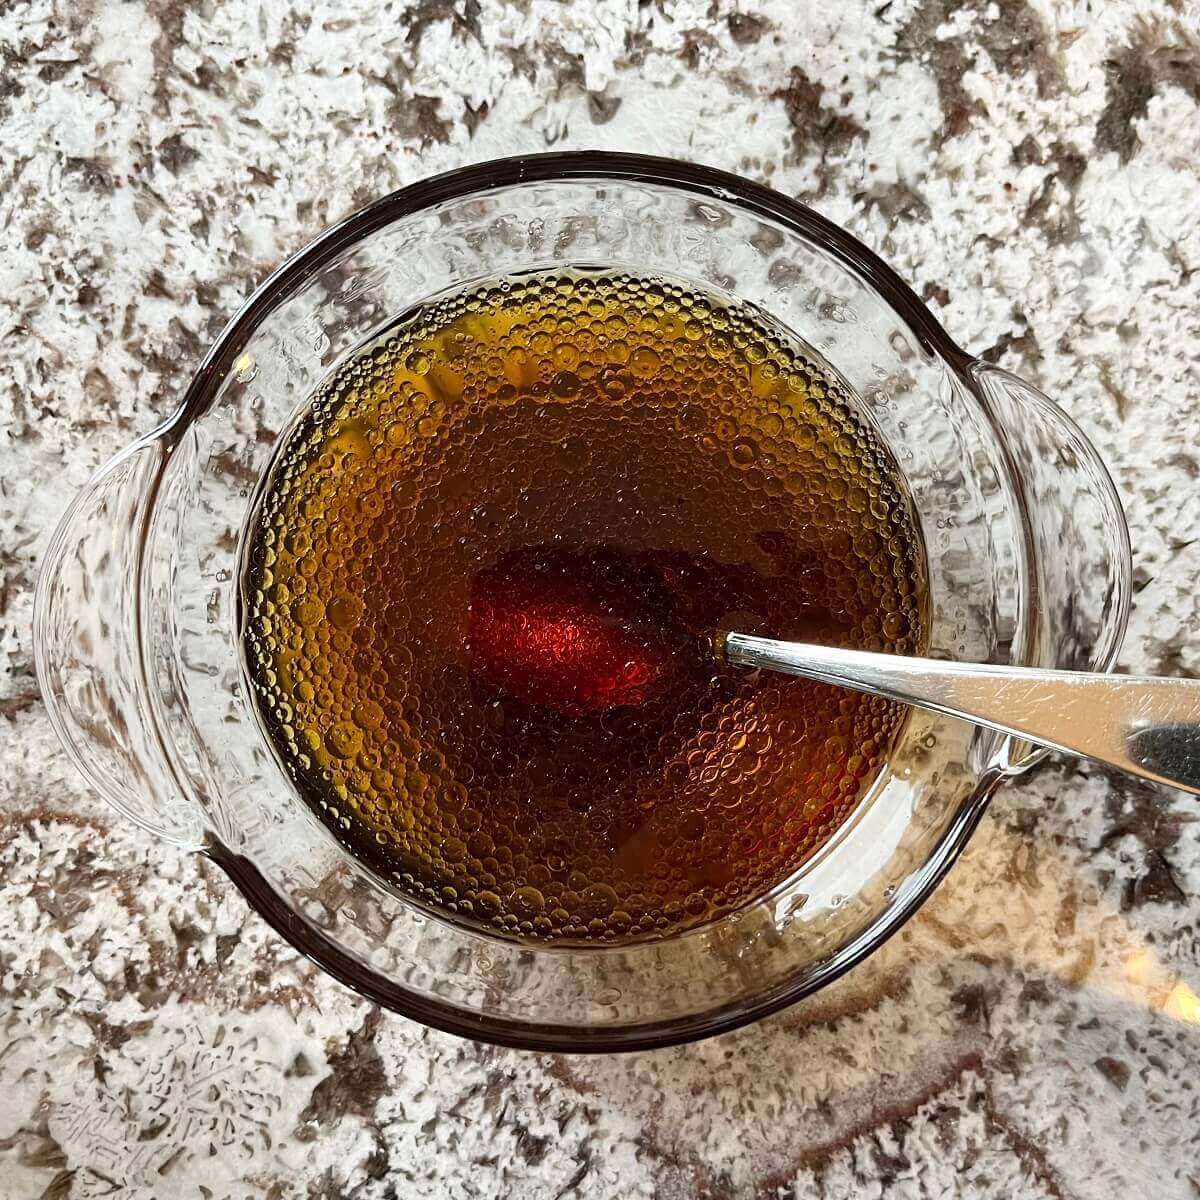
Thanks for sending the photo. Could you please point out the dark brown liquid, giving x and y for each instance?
(678, 453)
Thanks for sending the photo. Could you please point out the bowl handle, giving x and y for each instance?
(89, 650)
(1077, 580)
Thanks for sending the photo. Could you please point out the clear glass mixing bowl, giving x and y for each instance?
(137, 645)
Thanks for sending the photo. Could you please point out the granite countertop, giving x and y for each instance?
(1033, 167)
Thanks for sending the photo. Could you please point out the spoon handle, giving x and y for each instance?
(1144, 725)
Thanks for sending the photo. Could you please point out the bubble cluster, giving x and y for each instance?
(680, 432)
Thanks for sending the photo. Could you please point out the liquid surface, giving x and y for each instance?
(587, 438)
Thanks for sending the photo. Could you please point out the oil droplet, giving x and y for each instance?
(566, 384)
(344, 611)
(528, 901)
(645, 362)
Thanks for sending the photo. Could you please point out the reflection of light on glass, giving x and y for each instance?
(1165, 993)
(1138, 967)
(245, 368)
(1183, 1004)
(858, 851)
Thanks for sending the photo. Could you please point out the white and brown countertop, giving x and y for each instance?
(1033, 167)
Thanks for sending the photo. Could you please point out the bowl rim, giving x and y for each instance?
(518, 1034)
(556, 167)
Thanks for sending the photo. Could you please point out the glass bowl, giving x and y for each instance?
(135, 618)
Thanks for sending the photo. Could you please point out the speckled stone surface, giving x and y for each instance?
(1033, 167)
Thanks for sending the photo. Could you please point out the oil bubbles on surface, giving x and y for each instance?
(697, 449)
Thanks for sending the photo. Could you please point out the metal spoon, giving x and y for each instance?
(1144, 725)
